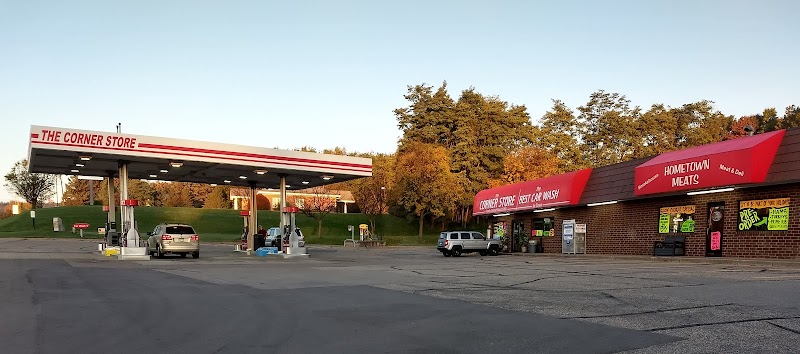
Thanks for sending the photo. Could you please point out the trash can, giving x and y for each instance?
(532, 246)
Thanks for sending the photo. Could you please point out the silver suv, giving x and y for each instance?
(454, 243)
(173, 238)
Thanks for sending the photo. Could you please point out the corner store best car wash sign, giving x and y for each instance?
(564, 189)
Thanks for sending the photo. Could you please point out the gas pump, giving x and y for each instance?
(291, 243)
(131, 236)
(245, 228)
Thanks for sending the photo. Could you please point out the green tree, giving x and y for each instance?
(791, 118)
(559, 133)
(767, 121)
(609, 127)
(658, 128)
(425, 184)
(429, 117)
(76, 191)
(35, 188)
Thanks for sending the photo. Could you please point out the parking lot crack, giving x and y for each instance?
(783, 327)
(648, 312)
(692, 325)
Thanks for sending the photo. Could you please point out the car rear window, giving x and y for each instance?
(179, 230)
(442, 235)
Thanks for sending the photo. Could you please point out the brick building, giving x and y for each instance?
(736, 198)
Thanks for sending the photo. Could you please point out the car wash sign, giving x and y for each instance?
(550, 192)
(732, 162)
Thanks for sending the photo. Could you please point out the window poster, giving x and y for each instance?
(764, 215)
(499, 230)
(676, 219)
(543, 227)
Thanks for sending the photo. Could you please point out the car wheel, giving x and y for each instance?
(447, 253)
(183, 255)
(483, 253)
(159, 254)
(493, 251)
(456, 252)
(196, 255)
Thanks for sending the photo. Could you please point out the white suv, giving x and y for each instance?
(454, 243)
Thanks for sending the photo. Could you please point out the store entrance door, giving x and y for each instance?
(716, 225)
(517, 233)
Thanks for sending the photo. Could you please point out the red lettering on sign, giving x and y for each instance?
(716, 240)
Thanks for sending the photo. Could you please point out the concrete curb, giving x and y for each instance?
(754, 262)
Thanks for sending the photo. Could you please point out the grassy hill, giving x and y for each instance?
(212, 224)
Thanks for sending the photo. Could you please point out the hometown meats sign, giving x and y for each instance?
(727, 163)
(560, 190)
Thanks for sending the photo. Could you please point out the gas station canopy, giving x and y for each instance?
(93, 153)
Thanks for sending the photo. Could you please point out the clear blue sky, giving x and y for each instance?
(323, 74)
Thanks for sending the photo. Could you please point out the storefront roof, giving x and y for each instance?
(94, 153)
(728, 163)
(555, 191)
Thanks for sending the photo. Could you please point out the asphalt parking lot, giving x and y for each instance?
(60, 296)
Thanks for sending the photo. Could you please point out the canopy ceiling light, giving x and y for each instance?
(227, 181)
(544, 210)
(305, 182)
(260, 172)
(213, 184)
(711, 191)
(79, 165)
(164, 171)
(327, 177)
(74, 171)
(176, 164)
(242, 177)
(602, 203)
(501, 214)
(85, 158)
(288, 186)
(153, 176)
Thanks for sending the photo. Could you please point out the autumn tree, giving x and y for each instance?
(739, 125)
(218, 198)
(477, 132)
(35, 188)
(527, 164)
(424, 182)
(371, 193)
(316, 203)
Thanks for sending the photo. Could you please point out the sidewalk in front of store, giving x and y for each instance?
(755, 262)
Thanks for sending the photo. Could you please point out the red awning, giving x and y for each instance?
(727, 163)
(550, 192)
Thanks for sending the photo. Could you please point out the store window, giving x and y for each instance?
(764, 215)
(543, 227)
(676, 219)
